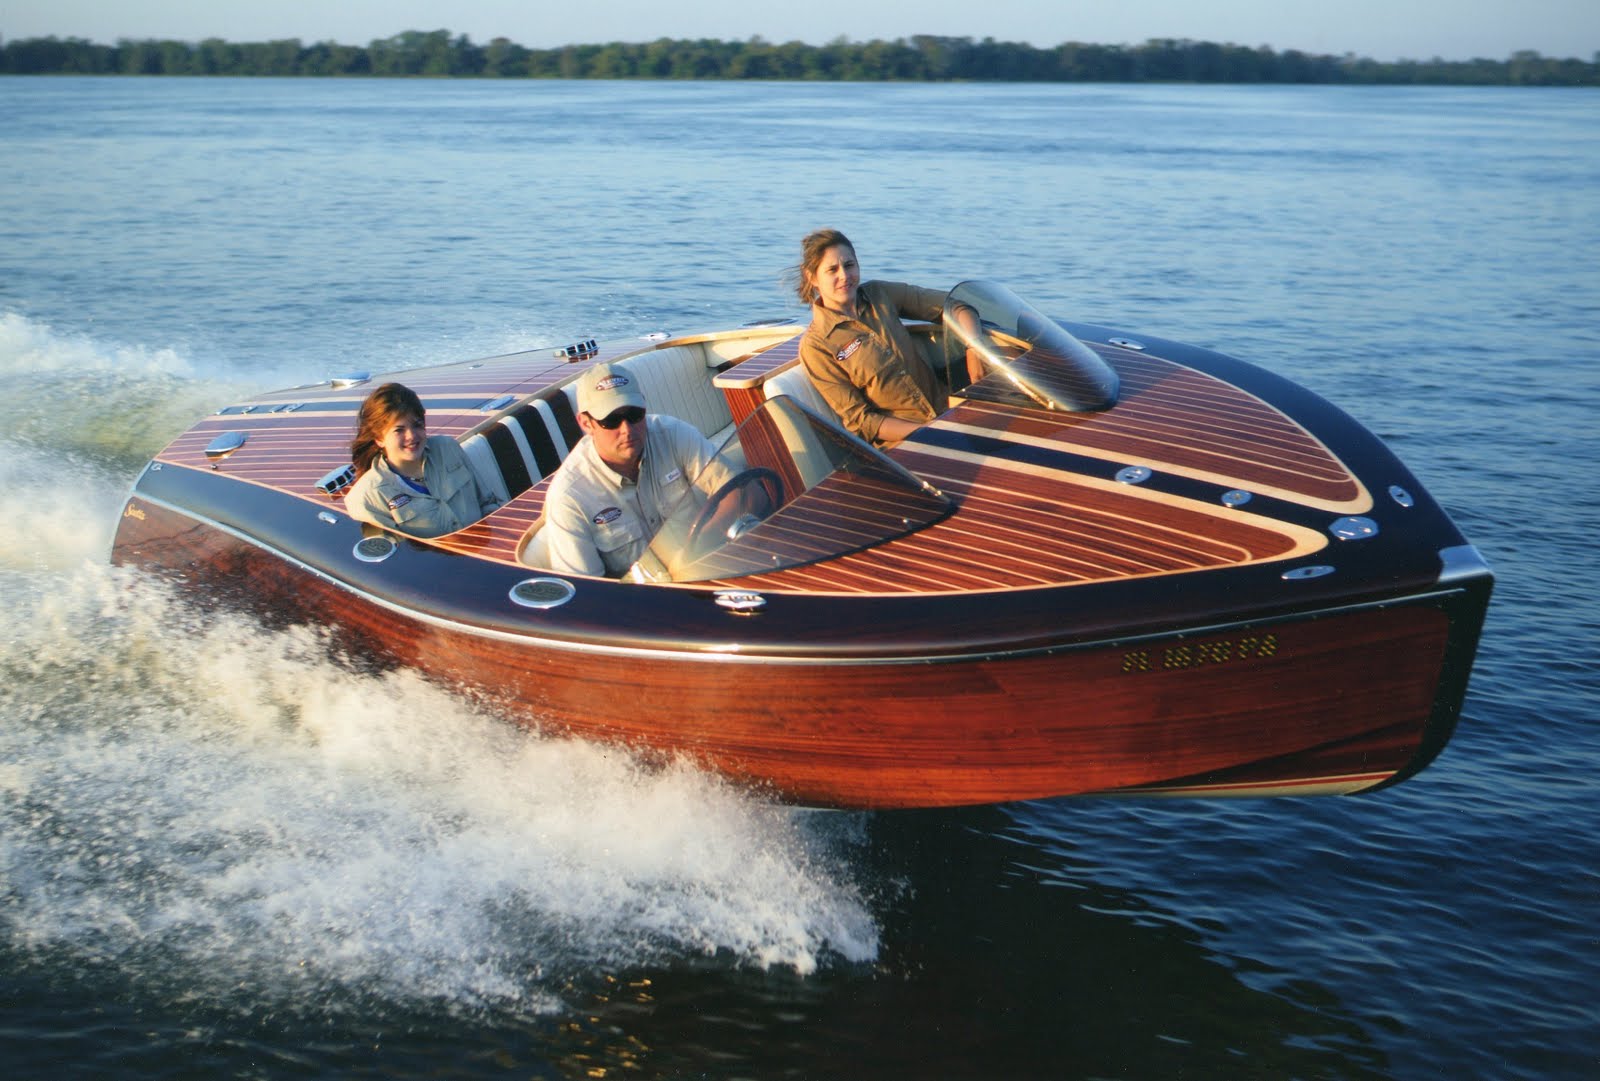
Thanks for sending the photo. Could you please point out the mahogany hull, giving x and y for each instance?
(1333, 700)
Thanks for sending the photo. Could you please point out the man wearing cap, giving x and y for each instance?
(625, 477)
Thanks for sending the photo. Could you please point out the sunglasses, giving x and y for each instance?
(613, 420)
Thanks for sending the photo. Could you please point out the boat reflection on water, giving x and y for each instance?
(1097, 982)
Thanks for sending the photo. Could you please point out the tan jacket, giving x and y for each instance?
(452, 501)
(868, 367)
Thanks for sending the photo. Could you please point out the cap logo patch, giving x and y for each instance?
(611, 382)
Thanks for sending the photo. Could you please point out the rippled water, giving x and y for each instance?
(223, 852)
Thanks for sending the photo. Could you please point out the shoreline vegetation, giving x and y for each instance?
(919, 58)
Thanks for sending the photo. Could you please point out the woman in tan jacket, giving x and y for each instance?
(857, 352)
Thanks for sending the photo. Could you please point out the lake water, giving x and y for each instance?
(223, 855)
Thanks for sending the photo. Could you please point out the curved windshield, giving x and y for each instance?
(787, 488)
(1028, 359)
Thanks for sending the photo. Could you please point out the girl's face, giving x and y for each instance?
(403, 443)
(836, 278)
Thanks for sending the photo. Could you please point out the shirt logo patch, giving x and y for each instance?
(399, 501)
(607, 516)
(845, 353)
(672, 476)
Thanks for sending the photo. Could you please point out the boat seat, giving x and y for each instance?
(808, 458)
(794, 382)
(676, 380)
(526, 445)
(534, 550)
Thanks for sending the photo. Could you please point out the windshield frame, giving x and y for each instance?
(1030, 359)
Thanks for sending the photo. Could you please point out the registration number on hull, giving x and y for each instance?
(1199, 654)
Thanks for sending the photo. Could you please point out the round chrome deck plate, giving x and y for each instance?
(374, 549)
(542, 592)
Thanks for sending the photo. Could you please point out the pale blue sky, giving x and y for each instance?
(1381, 29)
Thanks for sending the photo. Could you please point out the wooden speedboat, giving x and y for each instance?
(1117, 564)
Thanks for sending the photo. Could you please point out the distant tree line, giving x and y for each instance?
(921, 57)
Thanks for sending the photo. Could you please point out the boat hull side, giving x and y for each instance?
(1336, 700)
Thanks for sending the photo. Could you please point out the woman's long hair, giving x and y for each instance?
(812, 248)
(379, 412)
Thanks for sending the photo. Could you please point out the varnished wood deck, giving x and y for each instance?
(1017, 527)
(1179, 420)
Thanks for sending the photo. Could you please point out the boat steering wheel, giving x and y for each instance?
(744, 501)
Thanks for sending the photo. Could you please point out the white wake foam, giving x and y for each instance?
(78, 398)
(210, 804)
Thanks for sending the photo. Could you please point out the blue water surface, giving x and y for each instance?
(223, 853)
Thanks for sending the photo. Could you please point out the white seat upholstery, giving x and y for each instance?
(811, 460)
(676, 381)
(553, 426)
(484, 468)
(794, 382)
(535, 548)
(517, 450)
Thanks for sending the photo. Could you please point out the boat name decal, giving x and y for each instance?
(845, 353)
(1199, 654)
(134, 512)
(607, 516)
